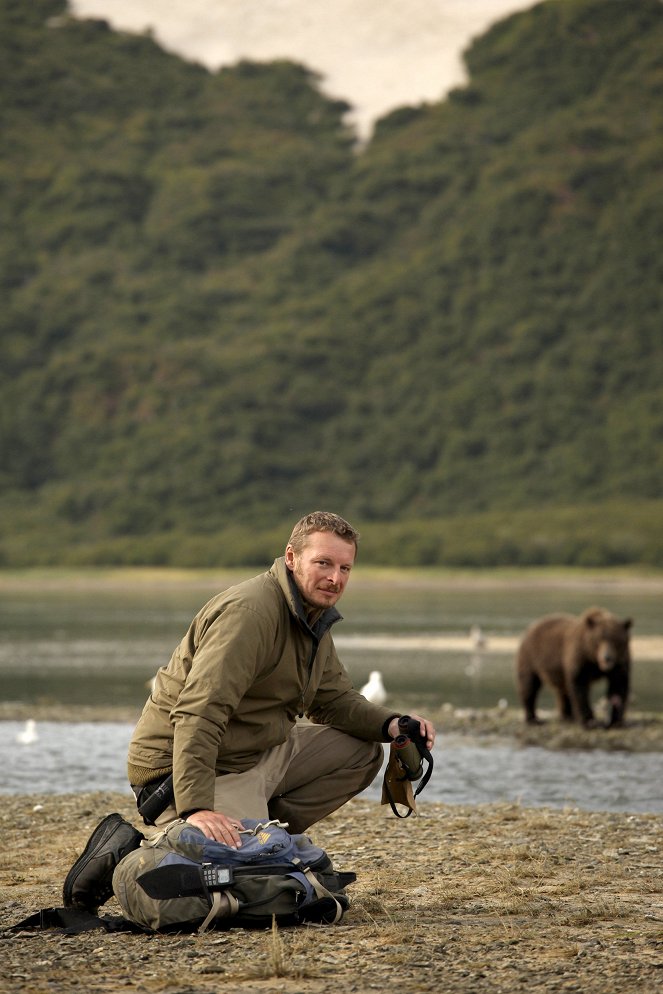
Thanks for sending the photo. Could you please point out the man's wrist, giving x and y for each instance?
(386, 737)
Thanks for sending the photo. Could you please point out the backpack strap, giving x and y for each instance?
(72, 921)
(322, 892)
(224, 905)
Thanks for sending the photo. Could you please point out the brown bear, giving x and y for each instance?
(570, 653)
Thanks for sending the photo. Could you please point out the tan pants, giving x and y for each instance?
(299, 782)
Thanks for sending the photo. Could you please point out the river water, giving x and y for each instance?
(99, 644)
(71, 757)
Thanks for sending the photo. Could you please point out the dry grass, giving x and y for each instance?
(276, 954)
(465, 899)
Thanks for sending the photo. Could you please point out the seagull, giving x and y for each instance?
(374, 690)
(477, 637)
(29, 733)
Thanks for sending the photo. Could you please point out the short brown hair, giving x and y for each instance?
(322, 521)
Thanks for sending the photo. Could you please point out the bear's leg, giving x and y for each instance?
(616, 716)
(529, 685)
(564, 706)
(618, 687)
(582, 709)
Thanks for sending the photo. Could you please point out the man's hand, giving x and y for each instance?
(425, 727)
(216, 826)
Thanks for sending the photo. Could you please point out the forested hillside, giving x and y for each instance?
(221, 313)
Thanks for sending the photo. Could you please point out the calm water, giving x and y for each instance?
(85, 756)
(99, 645)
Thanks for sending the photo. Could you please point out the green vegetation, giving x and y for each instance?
(219, 313)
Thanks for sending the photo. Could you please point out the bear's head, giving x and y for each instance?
(609, 638)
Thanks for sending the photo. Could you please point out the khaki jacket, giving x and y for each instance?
(248, 666)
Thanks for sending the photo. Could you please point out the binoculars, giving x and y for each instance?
(406, 764)
(410, 746)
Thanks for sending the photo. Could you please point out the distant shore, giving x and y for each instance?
(611, 579)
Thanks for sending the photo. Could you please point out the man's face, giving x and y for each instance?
(322, 569)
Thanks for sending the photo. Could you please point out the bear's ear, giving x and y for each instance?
(627, 624)
(592, 616)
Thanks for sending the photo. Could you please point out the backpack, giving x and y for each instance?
(181, 880)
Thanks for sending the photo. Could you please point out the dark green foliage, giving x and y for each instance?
(219, 314)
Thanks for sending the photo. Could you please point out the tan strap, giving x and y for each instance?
(155, 839)
(224, 905)
(322, 891)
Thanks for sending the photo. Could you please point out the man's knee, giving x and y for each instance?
(353, 754)
(372, 754)
(373, 761)
(323, 752)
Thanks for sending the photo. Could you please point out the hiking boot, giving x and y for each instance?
(89, 884)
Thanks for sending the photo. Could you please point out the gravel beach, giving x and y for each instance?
(465, 899)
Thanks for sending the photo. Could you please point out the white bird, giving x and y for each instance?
(29, 733)
(374, 690)
(477, 637)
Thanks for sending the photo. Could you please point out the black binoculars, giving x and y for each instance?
(410, 747)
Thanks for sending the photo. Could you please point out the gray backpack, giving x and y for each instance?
(181, 880)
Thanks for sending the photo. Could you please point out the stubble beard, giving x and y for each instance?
(315, 597)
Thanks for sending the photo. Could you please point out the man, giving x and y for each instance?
(224, 720)
(225, 716)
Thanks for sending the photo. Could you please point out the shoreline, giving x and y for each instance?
(366, 577)
(642, 730)
(472, 900)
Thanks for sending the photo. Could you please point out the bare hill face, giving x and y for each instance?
(375, 54)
